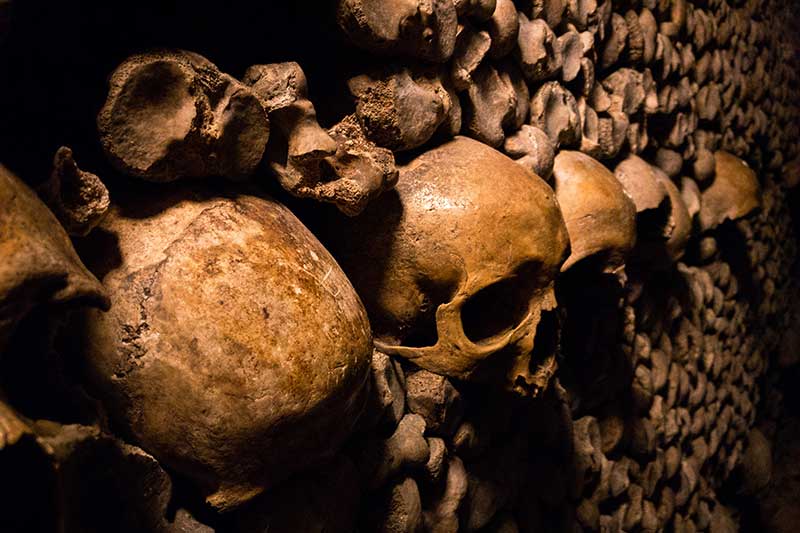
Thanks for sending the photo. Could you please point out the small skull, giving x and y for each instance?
(457, 266)
(734, 193)
(600, 216)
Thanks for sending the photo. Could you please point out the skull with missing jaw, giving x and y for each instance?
(457, 267)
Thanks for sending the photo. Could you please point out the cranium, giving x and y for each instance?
(457, 266)
(39, 265)
(236, 351)
(649, 195)
(734, 193)
(174, 114)
(600, 216)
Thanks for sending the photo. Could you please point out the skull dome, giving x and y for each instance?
(457, 266)
(236, 351)
(734, 193)
(600, 216)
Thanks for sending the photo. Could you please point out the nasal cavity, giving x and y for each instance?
(500, 307)
(546, 341)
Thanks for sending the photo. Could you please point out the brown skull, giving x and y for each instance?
(600, 216)
(457, 266)
(236, 351)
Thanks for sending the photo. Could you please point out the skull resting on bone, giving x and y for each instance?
(456, 266)
(600, 216)
(236, 351)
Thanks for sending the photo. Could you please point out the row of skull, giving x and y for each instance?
(236, 350)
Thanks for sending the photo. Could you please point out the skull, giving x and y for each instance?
(39, 266)
(601, 220)
(734, 193)
(654, 212)
(600, 216)
(457, 266)
(236, 351)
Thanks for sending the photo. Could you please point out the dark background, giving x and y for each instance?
(56, 56)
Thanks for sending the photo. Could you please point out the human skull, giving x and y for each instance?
(236, 351)
(600, 216)
(641, 181)
(457, 266)
(39, 266)
(734, 193)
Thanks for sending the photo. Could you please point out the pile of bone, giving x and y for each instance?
(678, 79)
(693, 399)
(429, 430)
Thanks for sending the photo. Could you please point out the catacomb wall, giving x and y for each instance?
(434, 265)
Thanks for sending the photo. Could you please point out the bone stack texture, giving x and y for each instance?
(663, 391)
(647, 445)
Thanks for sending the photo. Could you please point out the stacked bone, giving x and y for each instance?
(641, 444)
(664, 79)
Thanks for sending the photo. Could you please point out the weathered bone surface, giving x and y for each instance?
(531, 148)
(282, 89)
(79, 199)
(173, 114)
(479, 10)
(491, 105)
(340, 166)
(600, 216)
(425, 29)
(734, 193)
(39, 265)
(554, 110)
(503, 29)
(443, 234)
(538, 52)
(641, 183)
(272, 382)
(402, 109)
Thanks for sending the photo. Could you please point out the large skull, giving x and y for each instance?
(457, 266)
(734, 193)
(236, 351)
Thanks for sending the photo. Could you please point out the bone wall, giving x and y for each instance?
(657, 394)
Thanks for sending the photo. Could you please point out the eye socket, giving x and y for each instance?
(423, 332)
(501, 306)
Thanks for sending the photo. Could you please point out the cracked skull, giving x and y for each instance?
(457, 266)
(236, 351)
